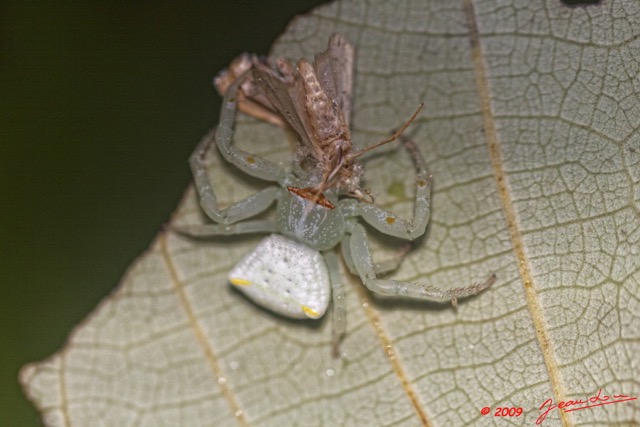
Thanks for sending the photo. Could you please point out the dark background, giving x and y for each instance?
(100, 107)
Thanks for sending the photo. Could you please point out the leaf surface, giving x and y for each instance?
(531, 131)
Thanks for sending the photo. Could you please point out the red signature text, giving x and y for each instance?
(599, 399)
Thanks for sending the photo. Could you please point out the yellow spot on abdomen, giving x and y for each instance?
(309, 311)
(390, 220)
(239, 282)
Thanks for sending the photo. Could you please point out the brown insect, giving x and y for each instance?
(315, 102)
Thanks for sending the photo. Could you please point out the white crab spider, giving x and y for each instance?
(294, 271)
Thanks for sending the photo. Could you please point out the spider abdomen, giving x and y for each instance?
(284, 276)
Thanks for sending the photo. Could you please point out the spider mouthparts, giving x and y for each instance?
(312, 194)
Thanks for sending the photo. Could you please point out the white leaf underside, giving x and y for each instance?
(531, 131)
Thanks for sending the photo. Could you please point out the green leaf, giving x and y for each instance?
(531, 131)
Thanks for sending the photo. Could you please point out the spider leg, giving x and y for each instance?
(382, 267)
(392, 264)
(346, 254)
(249, 163)
(363, 263)
(389, 223)
(243, 227)
(243, 209)
(339, 315)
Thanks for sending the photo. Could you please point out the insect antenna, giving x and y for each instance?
(315, 194)
(392, 138)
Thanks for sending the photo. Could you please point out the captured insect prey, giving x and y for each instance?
(321, 203)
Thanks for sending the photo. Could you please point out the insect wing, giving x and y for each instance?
(285, 277)
(250, 100)
(334, 68)
(280, 96)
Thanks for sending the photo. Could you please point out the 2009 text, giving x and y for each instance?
(502, 411)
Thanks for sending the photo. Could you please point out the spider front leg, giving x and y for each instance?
(363, 263)
(246, 208)
(391, 224)
(249, 163)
